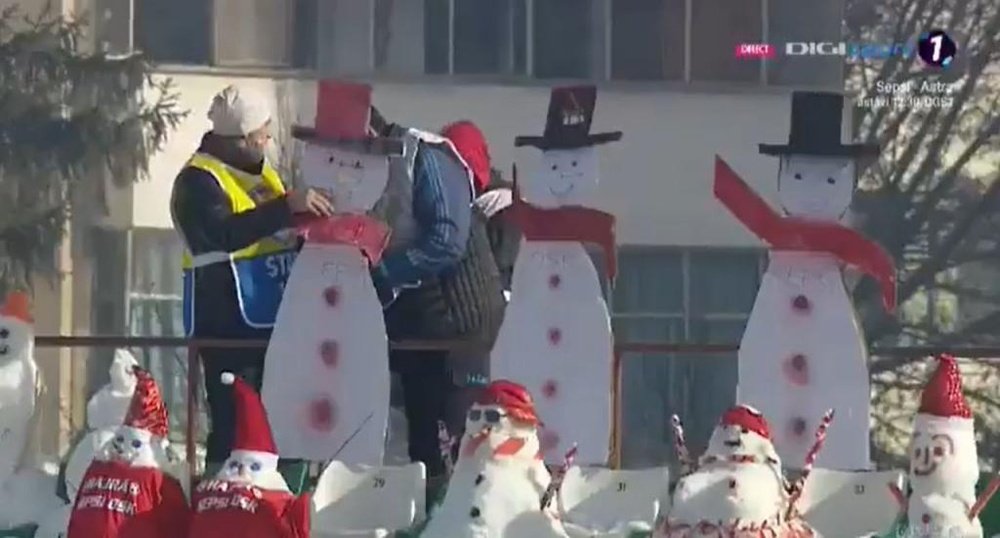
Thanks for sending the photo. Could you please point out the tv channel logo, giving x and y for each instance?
(858, 51)
(747, 51)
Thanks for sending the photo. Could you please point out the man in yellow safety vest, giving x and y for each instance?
(233, 212)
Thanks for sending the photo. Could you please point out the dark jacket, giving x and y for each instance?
(202, 214)
(504, 236)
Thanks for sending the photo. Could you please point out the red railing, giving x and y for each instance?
(621, 349)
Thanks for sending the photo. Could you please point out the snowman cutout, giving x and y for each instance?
(738, 488)
(128, 489)
(802, 351)
(944, 464)
(556, 333)
(499, 478)
(19, 382)
(326, 375)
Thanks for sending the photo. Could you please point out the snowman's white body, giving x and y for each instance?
(708, 495)
(556, 335)
(108, 406)
(18, 386)
(826, 333)
(948, 518)
(356, 384)
(496, 496)
(829, 337)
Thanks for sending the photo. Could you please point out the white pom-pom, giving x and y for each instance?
(228, 378)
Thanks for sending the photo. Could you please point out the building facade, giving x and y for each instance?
(668, 79)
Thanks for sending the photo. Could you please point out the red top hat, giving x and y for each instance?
(747, 418)
(343, 110)
(18, 305)
(942, 396)
(567, 125)
(147, 410)
(513, 398)
(253, 431)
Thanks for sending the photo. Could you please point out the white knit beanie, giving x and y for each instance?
(238, 112)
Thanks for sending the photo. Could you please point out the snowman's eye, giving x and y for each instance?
(555, 166)
(744, 430)
(830, 180)
(136, 444)
(797, 176)
(255, 466)
(4, 349)
(357, 164)
(331, 159)
(573, 164)
(938, 451)
(4, 333)
(234, 464)
(119, 439)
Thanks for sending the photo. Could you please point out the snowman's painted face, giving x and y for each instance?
(13, 339)
(943, 454)
(354, 181)
(136, 447)
(729, 441)
(562, 178)
(816, 187)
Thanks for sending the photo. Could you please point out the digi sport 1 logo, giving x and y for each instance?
(936, 48)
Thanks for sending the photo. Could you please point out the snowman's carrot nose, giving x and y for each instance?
(18, 305)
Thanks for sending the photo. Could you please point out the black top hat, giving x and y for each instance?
(342, 114)
(567, 126)
(817, 119)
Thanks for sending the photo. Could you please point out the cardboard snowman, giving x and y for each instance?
(326, 380)
(126, 490)
(248, 497)
(499, 478)
(738, 488)
(803, 352)
(556, 333)
(944, 465)
(19, 382)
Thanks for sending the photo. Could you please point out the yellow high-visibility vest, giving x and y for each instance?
(240, 200)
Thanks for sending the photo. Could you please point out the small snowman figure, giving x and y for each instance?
(19, 382)
(126, 491)
(249, 498)
(556, 333)
(499, 478)
(802, 352)
(326, 376)
(944, 465)
(108, 405)
(738, 489)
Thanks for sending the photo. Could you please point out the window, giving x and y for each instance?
(717, 26)
(804, 20)
(154, 309)
(669, 295)
(564, 44)
(472, 37)
(647, 39)
(257, 33)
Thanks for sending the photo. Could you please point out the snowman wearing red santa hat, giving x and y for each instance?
(248, 497)
(738, 490)
(944, 465)
(126, 491)
(499, 479)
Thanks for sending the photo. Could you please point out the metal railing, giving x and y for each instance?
(622, 349)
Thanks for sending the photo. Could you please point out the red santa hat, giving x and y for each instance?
(747, 418)
(147, 410)
(253, 431)
(18, 305)
(513, 398)
(942, 396)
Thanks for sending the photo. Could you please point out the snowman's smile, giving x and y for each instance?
(561, 192)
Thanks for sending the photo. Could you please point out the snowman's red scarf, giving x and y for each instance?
(791, 233)
(570, 223)
(367, 234)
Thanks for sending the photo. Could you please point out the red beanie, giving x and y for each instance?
(471, 145)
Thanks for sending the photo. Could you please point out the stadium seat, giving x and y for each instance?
(599, 502)
(852, 503)
(364, 501)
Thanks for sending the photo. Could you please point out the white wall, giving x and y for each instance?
(657, 180)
